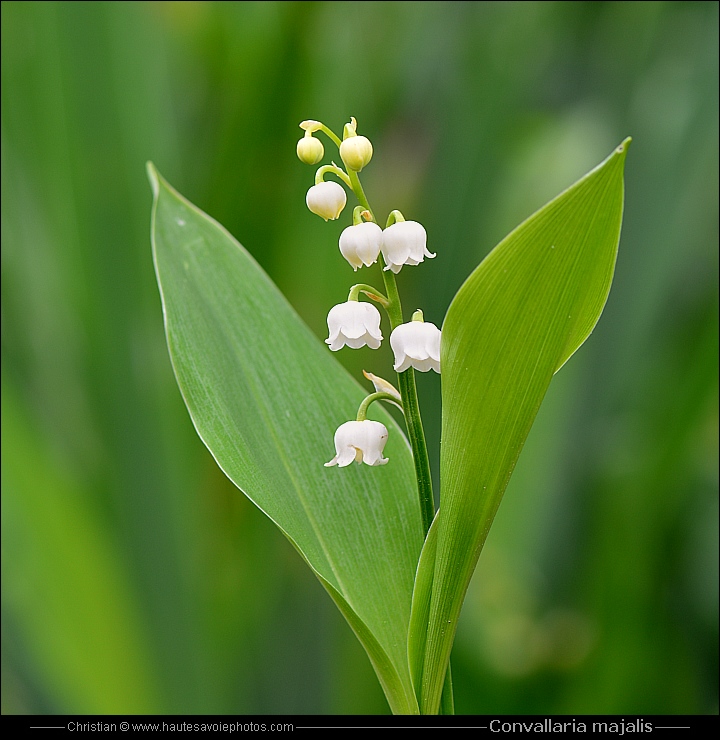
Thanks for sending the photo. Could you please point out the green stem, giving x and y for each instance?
(406, 384)
(331, 134)
(333, 169)
(378, 396)
(395, 217)
(411, 407)
(370, 292)
(357, 215)
(413, 420)
(360, 193)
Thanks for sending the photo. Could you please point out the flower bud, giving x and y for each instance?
(310, 150)
(356, 152)
(327, 199)
(360, 244)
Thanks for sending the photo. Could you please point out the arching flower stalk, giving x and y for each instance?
(356, 324)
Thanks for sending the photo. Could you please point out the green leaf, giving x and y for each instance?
(420, 613)
(266, 397)
(517, 319)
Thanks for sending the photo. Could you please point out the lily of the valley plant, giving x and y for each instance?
(286, 422)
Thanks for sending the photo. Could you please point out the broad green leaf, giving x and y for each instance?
(266, 397)
(517, 319)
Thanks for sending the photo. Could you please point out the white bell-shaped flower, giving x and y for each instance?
(359, 441)
(355, 324)
(404, 243)
(416, 344)
(360, 244)
(327, 199)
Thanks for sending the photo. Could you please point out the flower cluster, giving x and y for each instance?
(401, 243)
(355, 323)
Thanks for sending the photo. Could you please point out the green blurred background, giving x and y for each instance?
(135, 577)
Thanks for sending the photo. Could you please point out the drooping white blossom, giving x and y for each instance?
(355, 324)
(360, 244)
(404, 243)
(359, 441)
(416, 344)
(327, 199)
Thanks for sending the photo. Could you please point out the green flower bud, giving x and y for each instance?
(309, 149)
(356, 152)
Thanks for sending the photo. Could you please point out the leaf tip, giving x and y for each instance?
(154, 178)
(624, 146)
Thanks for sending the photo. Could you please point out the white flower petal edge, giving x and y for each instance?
(404, 243)
(355, 324)
(416, 344)
(360, 244)
(360, 441)
(327, 199)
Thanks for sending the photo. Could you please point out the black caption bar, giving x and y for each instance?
(489, 726)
